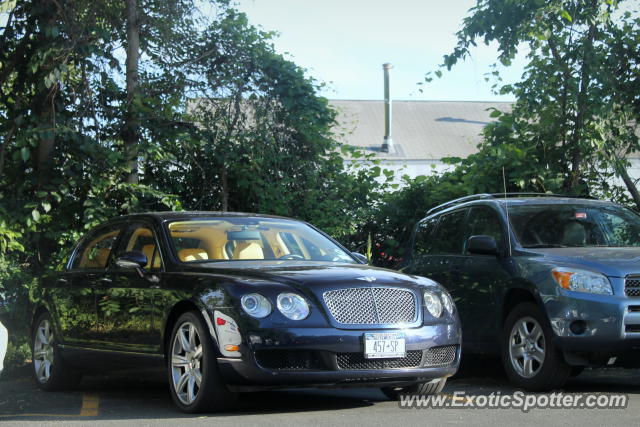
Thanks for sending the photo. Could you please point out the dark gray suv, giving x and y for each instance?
(550, 282)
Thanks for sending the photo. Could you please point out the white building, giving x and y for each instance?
(423, 132)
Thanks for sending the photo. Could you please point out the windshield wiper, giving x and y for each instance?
(545, 245)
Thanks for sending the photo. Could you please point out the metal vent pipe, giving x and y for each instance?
(387, 144)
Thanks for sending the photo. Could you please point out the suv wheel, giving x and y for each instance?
(529, 356)
(49, 369)
(194, 379)
(422, 389)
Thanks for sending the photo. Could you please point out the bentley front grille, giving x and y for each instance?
(372, 306)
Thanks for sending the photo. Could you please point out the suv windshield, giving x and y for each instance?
(247, 238)
(574, 225)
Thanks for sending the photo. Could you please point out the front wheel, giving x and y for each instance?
(422, 389)
(529, 356)
(50, 371)
(194, 379)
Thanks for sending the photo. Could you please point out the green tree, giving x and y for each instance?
(572, 107)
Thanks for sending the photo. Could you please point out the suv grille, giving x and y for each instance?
(632, 286)
(372, 306)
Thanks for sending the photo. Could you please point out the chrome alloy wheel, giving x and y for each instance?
(43, 351)
(527, 347)
(186, 363)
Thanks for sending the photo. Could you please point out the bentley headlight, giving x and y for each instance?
(256, 305)
(433, 303)
(293, 306)
(582, 281)
(447, 301)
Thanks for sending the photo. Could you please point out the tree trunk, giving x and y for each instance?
(225, 189)
(633, 190)
(581, 105)
(131, 134)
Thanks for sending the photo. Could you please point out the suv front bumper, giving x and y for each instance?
(588, 322)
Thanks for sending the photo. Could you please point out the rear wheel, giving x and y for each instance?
(422, 389)
(529, 356)
(194, 379)
(50, 371)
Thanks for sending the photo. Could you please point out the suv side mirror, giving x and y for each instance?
(131, 260)
(363, 259)
(482, 245)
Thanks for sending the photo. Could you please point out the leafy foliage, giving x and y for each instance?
(217, 121)
(572, 126)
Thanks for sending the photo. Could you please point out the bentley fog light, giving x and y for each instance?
(447, 301)
(256, 305)
(293, 306)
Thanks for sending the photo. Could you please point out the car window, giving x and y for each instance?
(251, 239)
(447, 239)
(141, 238)
(575, 225)
(485, 221)
(423, 242)
(94, 252)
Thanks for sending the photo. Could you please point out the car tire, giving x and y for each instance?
(530, 358)
(421, 389)
(185, 367)
(50, 370)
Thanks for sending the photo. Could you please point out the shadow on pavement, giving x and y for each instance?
(146, 396)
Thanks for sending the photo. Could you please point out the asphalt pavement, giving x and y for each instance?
(143, 399)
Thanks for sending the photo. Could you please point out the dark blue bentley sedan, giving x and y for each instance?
(239, 302)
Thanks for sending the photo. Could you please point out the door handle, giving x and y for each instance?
(104, 281)
(62, 281)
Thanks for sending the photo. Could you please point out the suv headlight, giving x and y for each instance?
(582, 281)
(432, 302)
(293, 306)
(256, 305)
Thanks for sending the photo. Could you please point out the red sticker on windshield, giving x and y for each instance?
(581, 215)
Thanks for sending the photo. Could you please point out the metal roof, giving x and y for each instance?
(421, 130)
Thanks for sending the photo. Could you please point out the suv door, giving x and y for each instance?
(129, 305)
(73, 292)
(438, 246)
(484, 275)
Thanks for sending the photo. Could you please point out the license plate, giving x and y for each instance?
(384, 345)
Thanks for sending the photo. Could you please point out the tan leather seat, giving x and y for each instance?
(98, 260)
(248, 250)
(149, 251)
(194, 254)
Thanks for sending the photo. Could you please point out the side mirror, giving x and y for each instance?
(361, 258)
(131, 260)
(482, 245)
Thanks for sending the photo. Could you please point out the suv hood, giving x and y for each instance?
(613, 262)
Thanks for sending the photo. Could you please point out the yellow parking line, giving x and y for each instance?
(90, 408)
(90, 405)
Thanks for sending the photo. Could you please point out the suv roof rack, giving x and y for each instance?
(496, 196)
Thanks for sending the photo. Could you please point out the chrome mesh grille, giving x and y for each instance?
(358, 361)
(632, 286)
(369, 306)
(440, 356)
